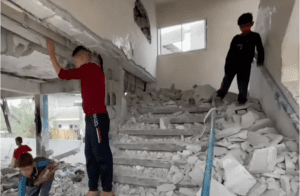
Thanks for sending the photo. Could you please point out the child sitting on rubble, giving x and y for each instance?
(20, 150)
(37, 175)
(240, 57)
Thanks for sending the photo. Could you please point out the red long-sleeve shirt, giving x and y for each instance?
(21, 150)
(92, 86)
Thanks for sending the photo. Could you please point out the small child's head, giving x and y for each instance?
(245, 22)
(25, 164)
(19, 141)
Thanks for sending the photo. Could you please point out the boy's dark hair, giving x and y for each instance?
(245, 18)
(19, 139)
(25, 160)
(78, 49)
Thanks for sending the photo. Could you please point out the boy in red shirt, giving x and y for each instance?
(20, 150)
(99, 161)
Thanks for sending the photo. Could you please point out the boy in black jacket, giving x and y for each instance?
(240, 57)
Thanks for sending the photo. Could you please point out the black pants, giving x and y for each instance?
(243, 77)
(99, 161)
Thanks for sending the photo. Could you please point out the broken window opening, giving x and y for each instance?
(142, 20)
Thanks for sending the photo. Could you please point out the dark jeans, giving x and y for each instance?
(40, 190)
(99, 161)
(243, 77)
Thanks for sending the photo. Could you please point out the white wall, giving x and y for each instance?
(272, 23)
(202, 66)
(113, 20)
(290, 48)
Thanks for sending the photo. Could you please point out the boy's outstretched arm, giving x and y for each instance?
(62, 74)
(260, 51)
(51, 51)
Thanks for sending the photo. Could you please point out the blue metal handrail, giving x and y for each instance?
(210, 153)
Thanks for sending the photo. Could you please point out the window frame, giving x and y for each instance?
(196, 50)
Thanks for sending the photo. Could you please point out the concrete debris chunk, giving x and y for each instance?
(285, 184)
(227, 132)
(292, 146)
(186, 153)
(249, 119)
(194, 148)
(170, 193)
(177, 177)
(237, 119)
(218, 151)
(263, 160)
(257, 140)
(289, 165)
(203, 93)
(275, 139)
(281, 148)
(217, 189)
(187, 191)
(224, 142)
(271, 193)
(238, 154)
(257, 190)
(166, 187)
(234, 146)
(164, 122)
(294, 186)
(267, 130)
(192, 160)
(260, 124)
(278, 170)
(237, 178)
(197, 173)
(243, 134)
(245, 146)
(180, 127)
(272, 184)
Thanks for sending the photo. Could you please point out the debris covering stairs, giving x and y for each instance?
(158, 139)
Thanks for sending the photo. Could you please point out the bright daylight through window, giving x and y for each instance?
(183, 38)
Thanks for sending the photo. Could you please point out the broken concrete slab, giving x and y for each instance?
(263, 160)
(257, 140)
(260, 124)
(177, 177)
(274, 139)
(164, 122)
(218, 151)
(187, 191)
(203, 93)
(289, 165)
(267, 130)
(197, 174)
(281, 148)
(217, 189)
(194, 148)
(192, 160)
(257, 190)
(239, 154)
(285, 184)
(249, 119)
(227, 132)
(166, 187)
(243, 134)
(237, 119)
(272, 184)
(270, 193)
(237, 178)
(245, 146)
(292, 146)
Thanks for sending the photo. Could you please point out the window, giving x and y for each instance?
(71, 126)
(59, 126)
(182, 38)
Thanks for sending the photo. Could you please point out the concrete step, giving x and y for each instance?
(171, 110)
(163, 147)
(147, 162)
(162, 132)
(148, 182)
(174, 120)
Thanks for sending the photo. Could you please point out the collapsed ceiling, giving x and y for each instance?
(25, 25)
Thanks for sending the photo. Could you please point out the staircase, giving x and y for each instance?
(129, 169)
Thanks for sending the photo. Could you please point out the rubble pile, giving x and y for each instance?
(179, 114)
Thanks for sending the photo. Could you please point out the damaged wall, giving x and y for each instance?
(202, 66)
(290, 48)
(272, 23)
(114, 20)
